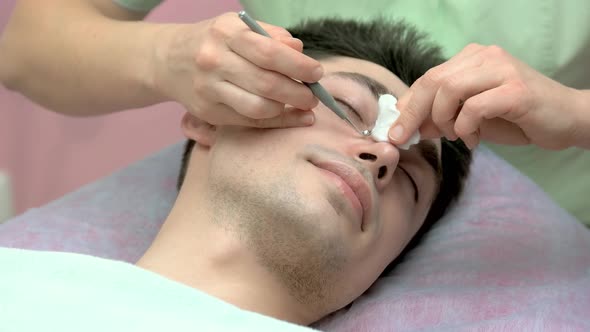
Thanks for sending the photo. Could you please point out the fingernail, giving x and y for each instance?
(452, 136)
(396, 133)
(308, 119)
(318, 73)
(296, 40)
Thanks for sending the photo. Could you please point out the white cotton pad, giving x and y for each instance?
(388, 113)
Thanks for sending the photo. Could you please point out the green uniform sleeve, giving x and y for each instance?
(138, 5)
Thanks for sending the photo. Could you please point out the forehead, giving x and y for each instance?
(367, 68)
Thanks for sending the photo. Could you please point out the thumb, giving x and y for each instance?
(409, 121)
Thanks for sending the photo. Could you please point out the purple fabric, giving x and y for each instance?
(505, 257)
(116, 217)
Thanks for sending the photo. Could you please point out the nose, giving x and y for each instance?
(380, 158)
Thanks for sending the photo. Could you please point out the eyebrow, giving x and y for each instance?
(376, 87)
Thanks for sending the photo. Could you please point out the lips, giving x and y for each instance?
(354, 180)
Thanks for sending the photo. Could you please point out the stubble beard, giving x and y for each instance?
(284, 234)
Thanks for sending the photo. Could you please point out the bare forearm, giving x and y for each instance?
(74, 60)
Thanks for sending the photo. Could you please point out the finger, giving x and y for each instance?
(471, 140)
(453, 65)
(501, 131)
(287, 119)
(293, 43)
(428, 130)
(273, 55)
(268, 84)
(275, 31)
(417, 103)
(486, 105)
(245, 103)
(221, 114)
(458, 88)
(468, 51)
(490, 113)
(282, 35)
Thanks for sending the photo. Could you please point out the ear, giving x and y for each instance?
(198, 130)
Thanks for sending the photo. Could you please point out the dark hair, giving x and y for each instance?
(405, 52)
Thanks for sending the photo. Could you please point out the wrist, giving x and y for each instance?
(150, 69)
(581, 136)
(157, 79)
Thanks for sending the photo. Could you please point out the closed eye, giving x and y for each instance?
(349, 108)
(412, 181)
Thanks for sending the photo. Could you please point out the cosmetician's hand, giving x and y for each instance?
(485, 93)
(226, 74)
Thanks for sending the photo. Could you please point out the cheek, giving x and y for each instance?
(398, 203)
(384, 245)
(395, 225)
(392, 232)
(249, 153)
(395, 232)
(326, 124)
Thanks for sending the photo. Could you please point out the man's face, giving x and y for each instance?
(324, 208)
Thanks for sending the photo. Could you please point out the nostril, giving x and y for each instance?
(368, 156)
(382, 172)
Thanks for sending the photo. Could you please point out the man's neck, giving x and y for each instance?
(195, 252)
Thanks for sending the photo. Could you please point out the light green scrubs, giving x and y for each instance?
(138, 5)
(552, 36)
